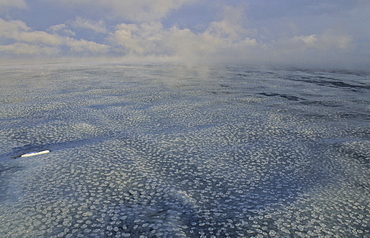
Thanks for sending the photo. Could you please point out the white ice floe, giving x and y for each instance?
(35, 153)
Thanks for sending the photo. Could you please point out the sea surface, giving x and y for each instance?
(166, 150)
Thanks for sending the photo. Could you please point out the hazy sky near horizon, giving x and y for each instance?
(306, 32)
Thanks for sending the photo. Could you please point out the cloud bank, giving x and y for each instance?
(236, 33)
(25, 41)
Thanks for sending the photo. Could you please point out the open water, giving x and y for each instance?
(172, 151)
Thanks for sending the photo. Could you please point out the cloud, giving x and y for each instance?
(317, 50)
(39, 37)
(230, 24)
(96, 26)
(61, 29)
(233, 35)
(323, 42)
(140, 39)
(9, 28)
(25, 41)
(84, 46)
(132, 10)
(18, 31)
(306, 41)
(223, 39)
(153, 39)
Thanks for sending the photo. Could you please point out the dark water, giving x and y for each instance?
(174, 151)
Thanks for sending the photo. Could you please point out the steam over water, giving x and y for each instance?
(170, 151)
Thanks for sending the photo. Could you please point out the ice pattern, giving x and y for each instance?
(165, 150)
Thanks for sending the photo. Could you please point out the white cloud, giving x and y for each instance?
(226, 39)
(326, 49)
(61, 29)
(18, 31)
(223, 39)
(9, 28)
(97, 26)
(220, 38)
(84, 46)
(57, 28)
(28, 42)
(39, 37)
(140, 39)
(326, 41)
(307, 40)
(230, 24)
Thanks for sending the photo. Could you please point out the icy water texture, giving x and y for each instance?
(170, 151)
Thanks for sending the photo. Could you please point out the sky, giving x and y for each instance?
(325, 33)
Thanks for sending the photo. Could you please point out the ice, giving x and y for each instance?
(35, 153)
(171, 151)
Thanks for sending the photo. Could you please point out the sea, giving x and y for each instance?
(171, 150)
